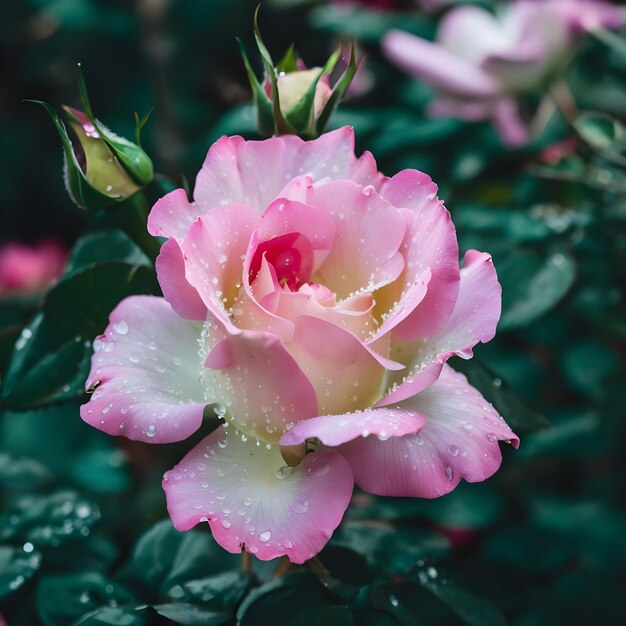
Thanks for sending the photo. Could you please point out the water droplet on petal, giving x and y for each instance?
(265, 536)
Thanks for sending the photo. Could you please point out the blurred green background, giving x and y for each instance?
(82, 536)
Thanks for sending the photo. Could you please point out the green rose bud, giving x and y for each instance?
(292, 98)
(100, 168)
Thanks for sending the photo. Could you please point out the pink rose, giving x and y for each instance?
(30, 269)
(317, 301)
(481, 62)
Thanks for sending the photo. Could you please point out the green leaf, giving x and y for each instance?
(21, 474)
(338, 90)
(603, 133)
(302, 116)
(111, 616)
(532, 284)
(43, 365)
(48, 520)
(289, 62)
(64, 598)
(467, 507)
(587, 364)
(292, 595)
(219, 591)
(263, 104)
(192, 615)
(164, 557)
(69, 449)
(390, 548)
(409, 604)
(518, 415)
(104, 246)
(17, 567)
(472, 609)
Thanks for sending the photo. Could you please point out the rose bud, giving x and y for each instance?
(100, 168)
(294, 100)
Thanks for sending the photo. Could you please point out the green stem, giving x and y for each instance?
(131, 216)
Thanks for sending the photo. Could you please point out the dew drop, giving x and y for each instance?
(265, 536)
(453, 450)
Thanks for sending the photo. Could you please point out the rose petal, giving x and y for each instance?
(147, 374)
(429, 245)
(172, 215)
(267, 391)
(346, 374)
(432, 62)
(255, 172)
(214, 250)
(183, 298)
(369, 233)
(315, 223)
(459, 440)
(251, 500)
(474, 319)
(333, 430)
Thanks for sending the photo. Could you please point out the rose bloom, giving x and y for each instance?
(481, 62)
(314, 303)
(28, 269)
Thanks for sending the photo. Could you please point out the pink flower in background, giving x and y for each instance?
(28, 269)
(314, 303)
(481, 62)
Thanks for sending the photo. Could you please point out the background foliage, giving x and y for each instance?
(84, 536)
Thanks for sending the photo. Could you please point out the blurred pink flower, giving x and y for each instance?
(314, 302)
(28, 269)
(481, 62)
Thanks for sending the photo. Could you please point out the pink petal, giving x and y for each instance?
(146, 371)
(367, 241)
(172, 215)
(512, 128)
(266, 391)
(170, 267)
(214, 250)
(474, 319)
(472, 33)
(333, 430)
(429, 244)
(459, 440)
(434, 64)
(257, 172)
(315, 223)
(252, 500)
(345, 374)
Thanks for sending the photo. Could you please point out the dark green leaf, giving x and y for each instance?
(532, 284)
(64, 598)
(192, 615)
(518, 415)
(43, 364)
(17, 567)
(48, 520)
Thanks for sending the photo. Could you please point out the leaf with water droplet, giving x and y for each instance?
(52, 365)
(17, 567)
(64, 598)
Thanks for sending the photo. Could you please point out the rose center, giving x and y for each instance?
(291, 256)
